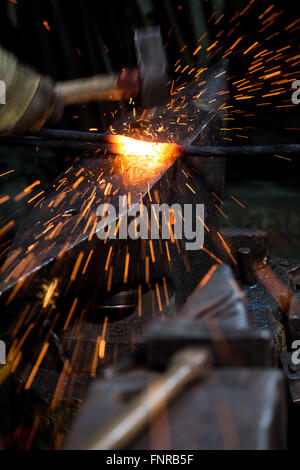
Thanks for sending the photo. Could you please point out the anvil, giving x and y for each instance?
(56, 251)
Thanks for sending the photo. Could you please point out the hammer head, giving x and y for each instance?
(152, 63)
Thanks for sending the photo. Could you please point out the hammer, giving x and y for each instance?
(187, 366)
(147, 82)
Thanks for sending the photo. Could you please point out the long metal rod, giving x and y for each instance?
(186, 150)
(237, 151)
(73, 135)
(105, 143)
(27, 141)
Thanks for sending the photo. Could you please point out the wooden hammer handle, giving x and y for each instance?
(99, 88)
(83, 90)
(187, 366)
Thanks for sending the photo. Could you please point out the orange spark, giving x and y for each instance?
(36, 366)
(102, 349)
(126, 268)
(76, 267)
(46, 24)
(7, 173)
(49, 293)
(227, 248)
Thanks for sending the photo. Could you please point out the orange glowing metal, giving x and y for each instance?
(128, 146)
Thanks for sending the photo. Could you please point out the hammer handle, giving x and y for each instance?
(188, 365)
(96, 88)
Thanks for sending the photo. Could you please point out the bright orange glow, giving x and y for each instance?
(128, 146)
(139, 160)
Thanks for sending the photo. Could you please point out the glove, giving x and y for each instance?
(30, 97)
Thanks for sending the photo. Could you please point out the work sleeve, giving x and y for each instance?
(27, 98)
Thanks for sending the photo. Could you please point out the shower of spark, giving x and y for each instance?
(264, 83)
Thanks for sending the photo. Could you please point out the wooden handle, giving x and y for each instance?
(187, 366)
(100, 88)
(96, 88)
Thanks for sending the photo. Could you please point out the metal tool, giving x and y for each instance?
(152, 62)
(105, 143)
(186, 366)
(149, 80)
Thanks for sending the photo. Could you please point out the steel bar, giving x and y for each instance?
(236, 151)
(186, 149)
(53, 138)
(74, 135)
(107, 143)
(47, 143)
(28, 141)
